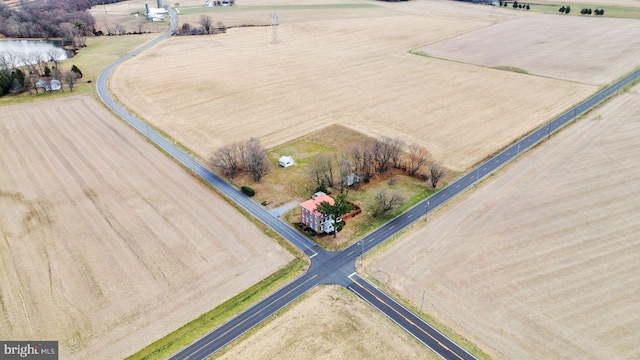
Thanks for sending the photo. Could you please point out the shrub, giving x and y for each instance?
(247, 191)
(76, 70)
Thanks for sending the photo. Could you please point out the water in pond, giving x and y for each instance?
(20, 48)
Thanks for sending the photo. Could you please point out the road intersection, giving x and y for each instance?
(339, 267)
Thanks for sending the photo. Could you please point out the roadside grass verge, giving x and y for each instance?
(197, 328)
(457, 338)
(257, 328)
(512, 69)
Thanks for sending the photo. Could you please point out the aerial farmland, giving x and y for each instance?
(542, 259)
(95, 244)
(118, 246)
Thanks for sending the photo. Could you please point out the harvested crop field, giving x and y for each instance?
(110, 16)
(330, 323)
(107, 245)
(208, 91)
(582, 49)
(542, 260)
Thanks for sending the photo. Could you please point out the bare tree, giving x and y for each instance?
(416, 157)
(186, 29)
(28, 84)
(8, 60)
(68, 30)
(32, 79)
(54, 55)
(384, 202)
(321, 170)
(396, 146)
(254, 159)
(345, 171)
(142, 21)
(228, 159)
(206, 21)
(315, 172)
(39, 58)
(56, 75)
(70, 78)
(436, 172)
(362, 161)
(121, 29)
(386, 153)
(111, 29)
(29, 62)
(221, 27)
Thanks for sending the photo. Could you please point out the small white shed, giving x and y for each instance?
(285, 161)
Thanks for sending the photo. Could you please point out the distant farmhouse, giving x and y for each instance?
(155, 14)
(313, 218)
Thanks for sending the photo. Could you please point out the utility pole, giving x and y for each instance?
(422, 303)
(426, 213)
(274, 27)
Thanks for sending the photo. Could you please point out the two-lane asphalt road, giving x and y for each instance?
(338, 267)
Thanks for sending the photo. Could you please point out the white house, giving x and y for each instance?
(156, 14)
(286, 161)
(52, 85)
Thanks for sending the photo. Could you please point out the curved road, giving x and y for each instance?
(339, 267)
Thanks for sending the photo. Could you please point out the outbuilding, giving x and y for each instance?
(286, 161)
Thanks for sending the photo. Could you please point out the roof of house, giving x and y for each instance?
(286, 160)
(312, 204)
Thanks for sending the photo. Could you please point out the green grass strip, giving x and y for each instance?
(447, 331)
(512, 69)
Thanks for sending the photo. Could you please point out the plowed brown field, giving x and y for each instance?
(106, 244)
(582, 49)
(207, 91)
(542, 261)
(334, 324)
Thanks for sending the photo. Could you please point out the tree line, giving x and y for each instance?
(205, 26)
(248, 157)
(21, 72)
(515, 5)
(48, 19)
(361, 162)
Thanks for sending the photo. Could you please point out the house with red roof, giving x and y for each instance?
(313, 218)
